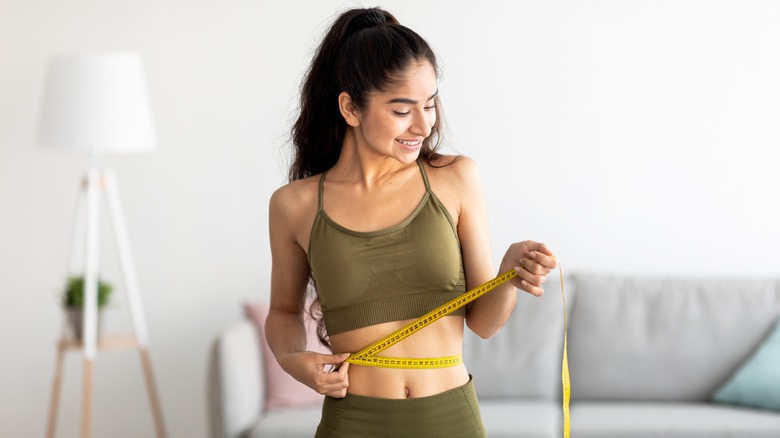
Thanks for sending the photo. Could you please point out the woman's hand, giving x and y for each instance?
(532, 261)
(324, 373)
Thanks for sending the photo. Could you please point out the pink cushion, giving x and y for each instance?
(282, 390)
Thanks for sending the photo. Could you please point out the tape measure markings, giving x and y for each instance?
(367, 356)
(430, 317)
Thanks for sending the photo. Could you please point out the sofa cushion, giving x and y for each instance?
(670, 420)
(757, 382)
(235, 386)
(664, 339)
(282, 390)
(523, 360)
(521, 418)
(288, 423)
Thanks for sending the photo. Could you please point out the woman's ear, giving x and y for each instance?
(348, 110)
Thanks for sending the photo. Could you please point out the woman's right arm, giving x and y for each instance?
(284, 327)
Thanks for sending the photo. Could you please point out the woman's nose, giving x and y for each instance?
(421, 125)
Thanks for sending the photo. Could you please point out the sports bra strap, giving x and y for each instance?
(319, 196)
(424, 175)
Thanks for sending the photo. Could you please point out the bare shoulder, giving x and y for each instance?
(455, 180)
(292, 201)
(295, 192)
(455, 170)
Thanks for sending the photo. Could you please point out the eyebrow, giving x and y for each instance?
(410, 101)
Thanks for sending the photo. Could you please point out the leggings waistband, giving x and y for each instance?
(452, 413)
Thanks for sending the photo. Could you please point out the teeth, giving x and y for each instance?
(407, 142)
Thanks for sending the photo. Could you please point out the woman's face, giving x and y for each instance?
(395, 122)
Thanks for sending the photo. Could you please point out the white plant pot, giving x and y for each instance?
(76, 320)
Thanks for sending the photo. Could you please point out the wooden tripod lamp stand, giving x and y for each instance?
(98, 104)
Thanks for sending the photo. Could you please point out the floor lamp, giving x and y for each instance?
(98, 104)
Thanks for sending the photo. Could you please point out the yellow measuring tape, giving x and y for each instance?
(368, 356)
(565, 380)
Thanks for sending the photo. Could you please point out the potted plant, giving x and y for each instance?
(73, 301)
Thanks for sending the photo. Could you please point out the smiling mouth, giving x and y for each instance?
(409, 142)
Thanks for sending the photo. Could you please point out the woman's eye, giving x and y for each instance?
(401, 114)
(428, 108)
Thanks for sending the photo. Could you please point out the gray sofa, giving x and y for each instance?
(646, 356)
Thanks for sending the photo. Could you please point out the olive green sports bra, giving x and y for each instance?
(398, 273)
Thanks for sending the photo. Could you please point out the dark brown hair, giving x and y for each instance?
(364, 51)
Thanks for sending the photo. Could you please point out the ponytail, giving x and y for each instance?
(363, 51)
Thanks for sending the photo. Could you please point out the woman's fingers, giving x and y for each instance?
(546, 261)
(533, 271)
(532, 267)
(539, 265)
(532, 261)
(333, 383)
(529, 282)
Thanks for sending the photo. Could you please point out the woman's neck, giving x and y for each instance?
(358, 164)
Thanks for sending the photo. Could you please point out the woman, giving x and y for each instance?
(386, 229)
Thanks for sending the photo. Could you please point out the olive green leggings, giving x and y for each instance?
(451, 414)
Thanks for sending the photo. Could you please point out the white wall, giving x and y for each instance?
(633, 137)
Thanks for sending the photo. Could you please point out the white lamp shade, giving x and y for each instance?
(97, 103)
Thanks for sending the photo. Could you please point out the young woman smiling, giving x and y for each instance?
(385, 229)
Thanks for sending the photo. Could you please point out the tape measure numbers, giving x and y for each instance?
(368, 356)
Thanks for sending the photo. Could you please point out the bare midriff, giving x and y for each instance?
(442, 338)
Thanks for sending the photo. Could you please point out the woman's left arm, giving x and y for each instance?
(531, 260)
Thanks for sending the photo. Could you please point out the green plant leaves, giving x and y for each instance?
(74, 292)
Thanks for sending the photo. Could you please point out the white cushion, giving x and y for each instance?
(235, 387)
